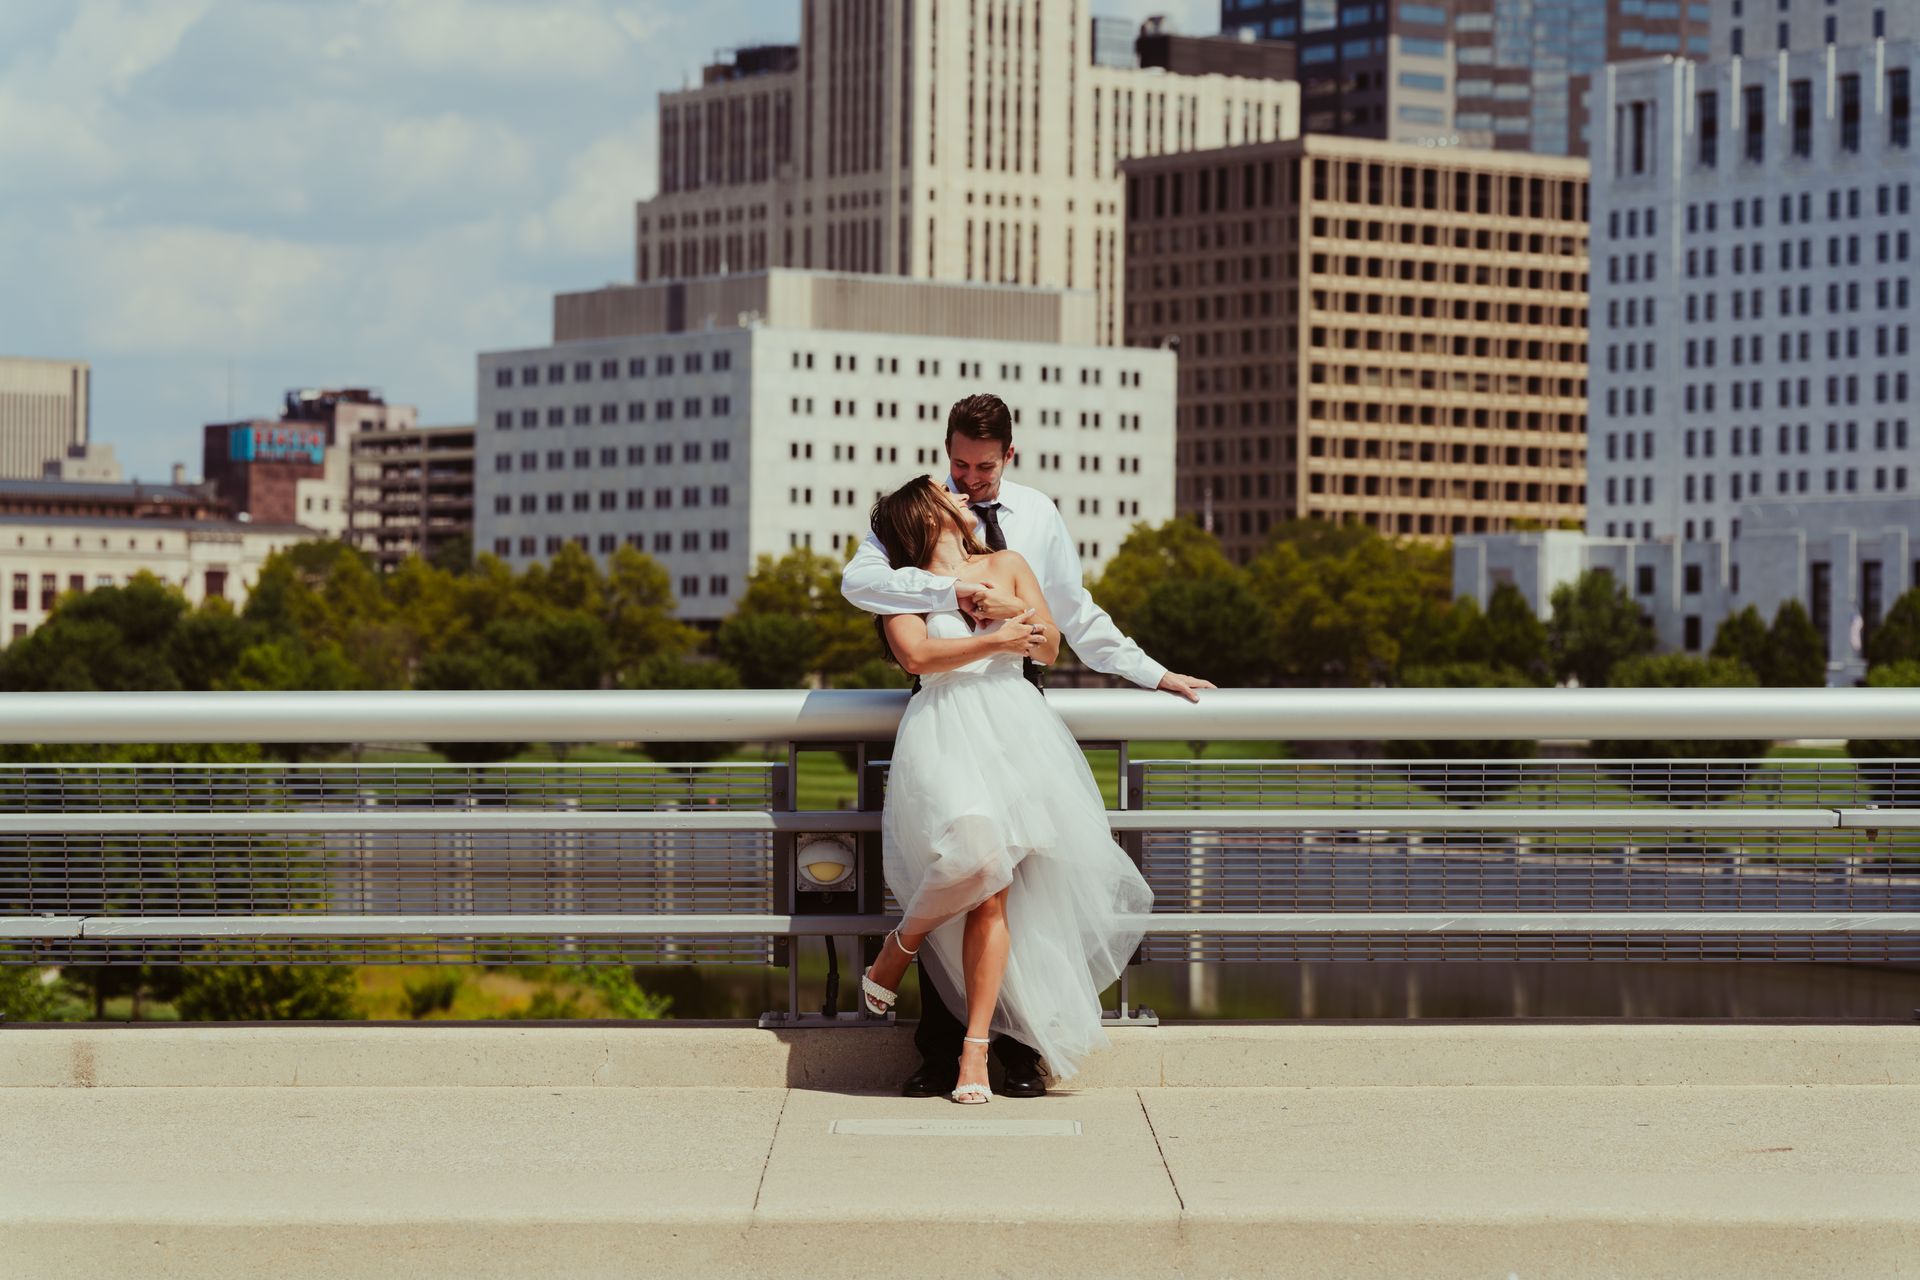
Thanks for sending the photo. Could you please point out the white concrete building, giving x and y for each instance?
(936, 139)
(1754, 274)
(713, 421)
(44, 557)
(1845, 559)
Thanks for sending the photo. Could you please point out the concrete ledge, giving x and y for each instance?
(1205, 1055)
(968, 1250)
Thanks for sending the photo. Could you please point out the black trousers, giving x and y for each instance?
(939, 1033)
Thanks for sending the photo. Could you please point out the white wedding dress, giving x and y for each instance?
(987, 790)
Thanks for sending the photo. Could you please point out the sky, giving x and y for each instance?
(215, 201)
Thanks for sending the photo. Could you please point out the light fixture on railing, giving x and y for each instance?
(824, 862)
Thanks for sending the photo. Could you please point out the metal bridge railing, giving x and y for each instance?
(1481, 859)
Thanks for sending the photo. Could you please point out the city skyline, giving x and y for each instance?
(206, 226)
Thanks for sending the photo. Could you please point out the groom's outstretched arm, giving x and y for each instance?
(870, 582)
(1084, 625)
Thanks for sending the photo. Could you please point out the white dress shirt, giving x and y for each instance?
(1034, 528)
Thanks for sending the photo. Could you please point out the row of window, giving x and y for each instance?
(1751, 484)
(930, 368)
(636, 455)
(583, 415)
(1748, 395)
(610, 370)
(1791, 438)
(1800, 114)
(1751, 304)
(1841, 343)
(1841, 250)
(505, 504)
(1889, 198)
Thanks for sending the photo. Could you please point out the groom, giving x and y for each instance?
(979, 450)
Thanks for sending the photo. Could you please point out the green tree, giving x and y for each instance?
(801, 586)
(1179, 548)
(1743, 638)
(1897, 638)
(1594, 626)
(639, 606)
(110, 639)
(769, 650)
(26, 997)
(1350, 607)
(1796, 651)
(1211, 623)
(268, 993)
(1512, 637)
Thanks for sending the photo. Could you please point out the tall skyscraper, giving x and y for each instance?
(1505, 74)
(1755, 221)
(938, 139)
(1369, 332)
(43, 413)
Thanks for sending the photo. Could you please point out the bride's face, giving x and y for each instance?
(963, 513)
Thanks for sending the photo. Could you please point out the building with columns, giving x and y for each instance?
(955, 140)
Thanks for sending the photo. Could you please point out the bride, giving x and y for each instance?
(994, 833)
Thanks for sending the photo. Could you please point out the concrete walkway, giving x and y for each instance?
(1814, 1178)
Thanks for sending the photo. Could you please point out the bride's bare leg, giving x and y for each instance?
(983, 956)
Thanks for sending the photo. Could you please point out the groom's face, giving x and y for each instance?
(976, 466)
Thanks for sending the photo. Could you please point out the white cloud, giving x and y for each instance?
(593, 209)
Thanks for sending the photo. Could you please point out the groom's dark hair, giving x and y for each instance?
(981, 417)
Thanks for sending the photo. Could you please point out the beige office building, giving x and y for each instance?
(956, 140)
(43, 413)
(412, 491)
(1368, 331)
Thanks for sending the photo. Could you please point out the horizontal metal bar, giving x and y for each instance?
(864, 715)
(1209, 923)
(549, 821)
(1568, 922)
(448, 821)
(40, 926)
(1881, 819)
(1473, 819)
(714, 926)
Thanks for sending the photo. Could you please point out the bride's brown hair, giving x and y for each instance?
(909, 522)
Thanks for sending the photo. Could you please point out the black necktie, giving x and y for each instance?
(989, 513)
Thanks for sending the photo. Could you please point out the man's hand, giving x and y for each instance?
(986, 602)
(1186, 686)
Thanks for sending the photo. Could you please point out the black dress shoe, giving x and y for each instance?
(930, 1081)
(1022, 1080)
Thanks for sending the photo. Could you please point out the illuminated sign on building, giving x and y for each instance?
(278, 442)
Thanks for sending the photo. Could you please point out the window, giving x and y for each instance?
(1754, 107)
(1802, 117)
(1899, 110)
(1709, 130)
(1849, 111)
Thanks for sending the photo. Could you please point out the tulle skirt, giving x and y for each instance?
(988, 791)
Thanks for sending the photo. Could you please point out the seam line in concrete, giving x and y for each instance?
(1160, 1151)
(786, 1095)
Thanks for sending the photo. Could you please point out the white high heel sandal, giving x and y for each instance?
(973, 1094)
(876, 998)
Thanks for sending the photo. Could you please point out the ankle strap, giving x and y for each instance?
(977, 1040)
(895, 935)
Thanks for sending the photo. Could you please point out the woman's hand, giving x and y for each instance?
(1018, 635)
(985, 602)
